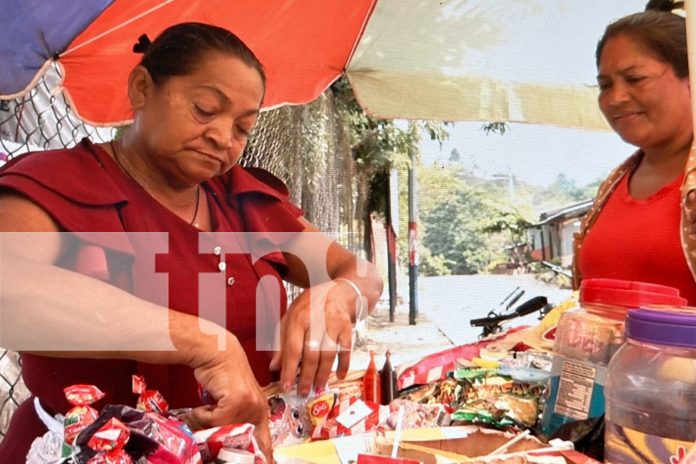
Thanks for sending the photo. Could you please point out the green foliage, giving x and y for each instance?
(433, 265)
(380, 144)
(507, 220)
(462, 228)
(453, 230)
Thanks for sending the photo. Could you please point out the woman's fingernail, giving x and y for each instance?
(287, 387)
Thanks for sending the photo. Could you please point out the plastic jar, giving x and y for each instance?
(651, 389)
(586, 339)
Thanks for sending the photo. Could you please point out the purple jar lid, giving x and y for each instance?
(667, 327)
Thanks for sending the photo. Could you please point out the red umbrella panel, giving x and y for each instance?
(304, 46)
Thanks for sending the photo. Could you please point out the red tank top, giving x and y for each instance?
(639, 240)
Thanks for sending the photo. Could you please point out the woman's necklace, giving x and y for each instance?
(194, 220)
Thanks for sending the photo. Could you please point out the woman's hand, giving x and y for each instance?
(316, 328)
(228, 378)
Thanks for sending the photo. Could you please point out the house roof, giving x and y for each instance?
(568, 212)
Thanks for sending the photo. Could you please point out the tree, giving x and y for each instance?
(377, 146)
(453, 230)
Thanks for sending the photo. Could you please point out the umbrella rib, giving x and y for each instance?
(373, 5)
(118, 26)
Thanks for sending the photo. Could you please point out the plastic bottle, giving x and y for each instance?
(388, 380)
(371, 382)
(586, 339)
(651, 389)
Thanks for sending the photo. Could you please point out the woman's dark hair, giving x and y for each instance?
(660, 31)
(179, 48)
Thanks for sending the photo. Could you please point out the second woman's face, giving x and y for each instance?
(195, 127)
(641, 97)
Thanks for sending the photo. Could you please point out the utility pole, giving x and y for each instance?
(412, 233)
(392, 231)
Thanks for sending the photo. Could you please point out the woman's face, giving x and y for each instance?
(641, 96)
(194, 127)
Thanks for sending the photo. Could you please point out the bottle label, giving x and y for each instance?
(575, 389)
(623, 444)
(576, 392)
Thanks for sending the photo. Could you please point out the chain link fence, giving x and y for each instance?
(306, 146)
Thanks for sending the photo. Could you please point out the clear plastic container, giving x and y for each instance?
(586, 339)
(651, 389)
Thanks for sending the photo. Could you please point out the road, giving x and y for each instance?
(451, 301)
(446, 304)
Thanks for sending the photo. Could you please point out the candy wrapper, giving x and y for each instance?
(497, 400)
(82, 414)
(238, 436)
(157, 439)
(447, 392)
(350, 417)
(319, 410)
(289, 419)
(149, 400)
(109, 442)
(416, 415)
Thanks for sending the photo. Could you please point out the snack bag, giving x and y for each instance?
(149, 400)
(236, 436)
(82, 414)
(153, 438)
(289, 420)
(109, 442)
(319, 409)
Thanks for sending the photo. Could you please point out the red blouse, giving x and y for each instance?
(639, 240)
(85, 191)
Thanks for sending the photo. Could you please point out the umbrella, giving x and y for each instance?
(504, 60)
(526, 61)
(304, 45)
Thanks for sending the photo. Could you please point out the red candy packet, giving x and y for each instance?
(81, 415)
(149, 400)
(236, 436)
(109, 442)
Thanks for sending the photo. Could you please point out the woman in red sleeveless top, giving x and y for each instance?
(637, 228)
(167, 258)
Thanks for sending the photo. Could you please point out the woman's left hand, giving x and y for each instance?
(317, 327)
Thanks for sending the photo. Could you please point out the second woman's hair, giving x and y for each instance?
(659, 30)
(179, 48)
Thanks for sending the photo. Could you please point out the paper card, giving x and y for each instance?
(354, 414)
(348, 448)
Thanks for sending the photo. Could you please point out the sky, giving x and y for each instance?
(533, 153)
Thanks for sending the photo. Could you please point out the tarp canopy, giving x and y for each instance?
(505, 60)
(526, 61)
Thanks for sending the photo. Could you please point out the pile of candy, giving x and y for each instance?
(150, 433)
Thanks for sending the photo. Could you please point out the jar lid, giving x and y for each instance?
(236, 456)
(628, 293)
(671, 327)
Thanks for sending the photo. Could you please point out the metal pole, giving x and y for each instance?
(412, 238)
(391, 242)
